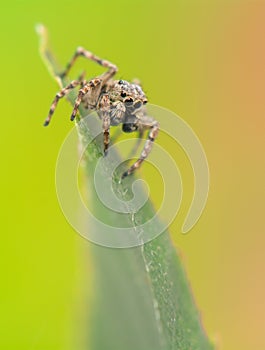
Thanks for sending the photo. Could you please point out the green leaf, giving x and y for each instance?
(141, 297)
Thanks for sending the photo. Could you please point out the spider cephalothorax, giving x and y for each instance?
(115, 101)
(131, 94)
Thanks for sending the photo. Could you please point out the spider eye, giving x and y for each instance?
(145, 102)
(129, 101)
(138, 104)
(120, 82)
(123, 94)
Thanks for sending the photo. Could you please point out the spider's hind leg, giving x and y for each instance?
(80, 51)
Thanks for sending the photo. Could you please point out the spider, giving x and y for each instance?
(115, 102)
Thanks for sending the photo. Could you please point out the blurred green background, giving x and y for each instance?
(204, 60)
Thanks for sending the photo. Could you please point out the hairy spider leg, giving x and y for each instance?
(104, 78)
(80, 51)
(105, 115)
(93, 88)
(59, 95)
(154, 129)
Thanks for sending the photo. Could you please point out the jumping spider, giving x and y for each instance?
(115, 101)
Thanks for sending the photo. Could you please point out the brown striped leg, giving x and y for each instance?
(106, 125)
(154, 129)
(80, 51)
(104, 105)
(92, 89)
(78, 100)
(58, 96)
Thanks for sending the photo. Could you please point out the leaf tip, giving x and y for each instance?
(40, 29)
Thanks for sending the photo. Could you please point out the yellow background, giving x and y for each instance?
(204, 60)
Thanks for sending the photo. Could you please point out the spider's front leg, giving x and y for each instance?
(60, 95)
(90, 92)
(154, 129)
(104, 113)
